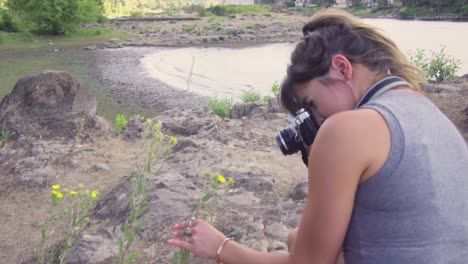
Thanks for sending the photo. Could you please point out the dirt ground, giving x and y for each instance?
(245, 146)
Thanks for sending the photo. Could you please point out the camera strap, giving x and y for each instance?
(381, 87)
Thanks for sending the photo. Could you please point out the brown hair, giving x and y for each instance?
(333, 32)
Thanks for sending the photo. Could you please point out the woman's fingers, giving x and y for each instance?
(181, 233)
(180, 244)
(185, 224)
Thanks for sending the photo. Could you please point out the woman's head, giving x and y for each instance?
(334, 45)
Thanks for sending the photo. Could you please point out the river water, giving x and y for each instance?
(227, 72)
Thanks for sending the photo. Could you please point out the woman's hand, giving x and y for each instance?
(203, 241)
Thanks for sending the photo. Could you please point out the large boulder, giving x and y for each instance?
(51, 105)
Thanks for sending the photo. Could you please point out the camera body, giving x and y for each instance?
(299, 136)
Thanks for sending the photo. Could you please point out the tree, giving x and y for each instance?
(56, 16)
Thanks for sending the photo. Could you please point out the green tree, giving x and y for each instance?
(56, 16)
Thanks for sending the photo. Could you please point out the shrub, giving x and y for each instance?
(221, 107)
(120, 123)
(290, 3)
(438, 67)
(59, 17)
(251, 97)
(68, 216)
(275, 88)
(9, 22)
(464, 10)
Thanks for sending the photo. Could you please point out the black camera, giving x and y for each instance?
(299, 135)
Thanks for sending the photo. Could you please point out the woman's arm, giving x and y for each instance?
(342, 151)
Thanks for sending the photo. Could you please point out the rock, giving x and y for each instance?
(134, 129)
(183, 144)
(93, 47)
(300, 192)
(234, 232)
(259, 245)
(187, 127)
(99, 247)
(22, 142)
(255, 184)
(51, 105)
(240, 110)
(440, 88)
(293, 220)
(465, 77)
(221, 37)
(114, 46)
(277, 231)
(256, 226)
(3, 152)
(72, 164)
(273, 106)
(36, 151)
(242, 199)
(99, 167)
(276, 246)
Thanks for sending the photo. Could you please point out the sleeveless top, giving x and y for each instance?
(415, 208)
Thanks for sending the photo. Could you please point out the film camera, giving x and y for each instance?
(299, 135)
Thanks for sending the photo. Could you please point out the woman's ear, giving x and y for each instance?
(342, 66)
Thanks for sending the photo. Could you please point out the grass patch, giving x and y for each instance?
(221, 107)
(307, 10)
(412, 11)
(251, 97)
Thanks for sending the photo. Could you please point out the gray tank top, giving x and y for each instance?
(415, 208)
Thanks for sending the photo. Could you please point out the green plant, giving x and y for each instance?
(68, 214)
(5, 135)
(266, 99)
(438, 67)
(56, 17)
(80, 129)
(215, 185)
(251, 97)
(290, 3)
(219, 28)
(199, 33)
(275, 88)
(159, 149)
(190, 28)
(221, 107)
(9, 22)
(120, 122)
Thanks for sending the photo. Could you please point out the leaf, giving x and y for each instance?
(126, 231)
(141, 224)
(207, 197)
(120, 245)
(132, 256)
(130, 201)
(143, 210)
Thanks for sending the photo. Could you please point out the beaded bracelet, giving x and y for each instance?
(220, 248)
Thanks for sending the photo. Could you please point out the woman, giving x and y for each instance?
(387, 179)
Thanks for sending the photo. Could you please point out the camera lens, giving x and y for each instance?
(288, 142)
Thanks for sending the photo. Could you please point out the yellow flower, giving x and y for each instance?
(220, 178)
(59, 195)
(54, 193)
(142, 118)
(94, 194)
(56, 187)
(73, 193)
(80, 186)
(152, 155)
(149, 122)
(231, 182)
(173, 140)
